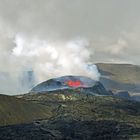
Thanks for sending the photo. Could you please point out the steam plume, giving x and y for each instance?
(52, 59)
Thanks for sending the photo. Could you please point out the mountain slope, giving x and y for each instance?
(64, 82)
(80, 117)
(81, 105)
(120, 77)
(69, 113)
(78, 83)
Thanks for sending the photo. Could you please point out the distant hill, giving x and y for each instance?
(118, 77)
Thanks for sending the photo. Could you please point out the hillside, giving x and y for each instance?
(14, 111)
(78, 116)
(69, 113)
(120, 76)
(80, 105)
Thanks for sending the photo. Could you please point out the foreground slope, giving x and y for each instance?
(68, 114)
(80, 116)
(82, 106)
(14, 111)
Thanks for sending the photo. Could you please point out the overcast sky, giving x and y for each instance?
(112, 26)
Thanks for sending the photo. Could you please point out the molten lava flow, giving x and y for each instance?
(73, 83)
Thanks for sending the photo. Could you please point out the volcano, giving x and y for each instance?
(82, 83)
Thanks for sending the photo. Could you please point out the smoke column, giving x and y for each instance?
(50, 38)
(47, 58)
(51, 59)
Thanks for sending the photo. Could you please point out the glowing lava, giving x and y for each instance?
(73, 83)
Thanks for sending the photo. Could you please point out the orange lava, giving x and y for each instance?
(73, 83)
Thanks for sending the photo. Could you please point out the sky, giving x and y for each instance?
(60, 36)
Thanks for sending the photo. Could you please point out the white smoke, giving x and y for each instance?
(41, 36)
(51, 59)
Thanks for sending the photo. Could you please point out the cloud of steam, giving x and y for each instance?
(50, 38)
(41, 36)
(51, 59)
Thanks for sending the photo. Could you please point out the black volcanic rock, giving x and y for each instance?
(123, 94)
(85, 84)
(69, 130)
(92, 118)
